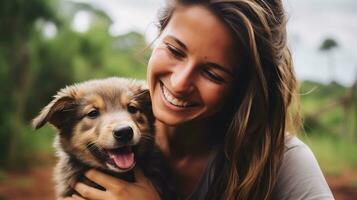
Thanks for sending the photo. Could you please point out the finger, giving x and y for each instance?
(88, 192)
(139, 175)
(76, 197)
(69, 198)
(105, 180)
(144, 182)
(73, 197)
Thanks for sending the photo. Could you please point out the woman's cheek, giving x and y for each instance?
(215, 95)
(153, 63)
(157, 67)
(160, 62)
(155, 58)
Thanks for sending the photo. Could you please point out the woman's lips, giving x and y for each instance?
(174, 100)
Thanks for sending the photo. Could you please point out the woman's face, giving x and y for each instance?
(190, 71)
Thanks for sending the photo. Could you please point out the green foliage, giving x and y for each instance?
(3, 175)
(330, 113)
(334, 154)
(328, 44)
(325, 109)
(17, 18)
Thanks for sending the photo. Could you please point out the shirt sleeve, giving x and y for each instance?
(300, 176)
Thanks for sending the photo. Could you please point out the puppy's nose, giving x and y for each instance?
(123, 133)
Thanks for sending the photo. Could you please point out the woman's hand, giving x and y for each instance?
(116, 189)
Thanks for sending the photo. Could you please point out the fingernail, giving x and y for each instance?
(75, 196)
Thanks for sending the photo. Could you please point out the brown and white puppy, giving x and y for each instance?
(108, 125)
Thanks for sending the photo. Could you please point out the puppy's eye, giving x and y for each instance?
(93, 114)
(132, 109)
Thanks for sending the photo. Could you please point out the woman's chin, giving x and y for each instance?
(175, 120)
(169, 120)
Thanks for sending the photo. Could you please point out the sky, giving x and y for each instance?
(309, 23)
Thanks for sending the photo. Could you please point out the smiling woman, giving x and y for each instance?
(223, 92)
(186, 71)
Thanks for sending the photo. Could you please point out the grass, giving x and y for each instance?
(3, 175)
(334, 154)
(34, 148)
(23, 182)
(330, 126)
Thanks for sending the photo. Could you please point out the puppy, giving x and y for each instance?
(108, 125)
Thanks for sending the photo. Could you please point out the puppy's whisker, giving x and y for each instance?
(96, 150)
(69, 109)
(148, 138)
(90, 145)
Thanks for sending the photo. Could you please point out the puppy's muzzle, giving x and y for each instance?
(123, 134)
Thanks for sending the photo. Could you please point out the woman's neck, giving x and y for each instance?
(190, 139)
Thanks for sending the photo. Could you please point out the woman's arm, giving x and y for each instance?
(300, 176)
(116, 188)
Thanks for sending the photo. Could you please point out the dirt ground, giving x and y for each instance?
(344, 186)
(36, 184)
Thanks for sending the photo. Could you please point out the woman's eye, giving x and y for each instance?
(132, 109)
(93, 114)
(174, 51)
(213, 76)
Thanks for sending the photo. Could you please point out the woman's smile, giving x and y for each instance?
(175, 101)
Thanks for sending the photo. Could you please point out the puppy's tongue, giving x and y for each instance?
(123, 160)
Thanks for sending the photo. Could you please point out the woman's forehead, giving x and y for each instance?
(202, 33)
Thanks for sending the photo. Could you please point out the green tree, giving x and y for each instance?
(328, 45)
(17, 22)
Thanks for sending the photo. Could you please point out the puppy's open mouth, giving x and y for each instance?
(119, 159)
(123, 158)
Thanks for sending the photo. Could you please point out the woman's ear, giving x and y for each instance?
(56, 111)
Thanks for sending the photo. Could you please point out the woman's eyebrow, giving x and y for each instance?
(181, 44)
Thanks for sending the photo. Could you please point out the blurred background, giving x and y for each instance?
(48, 44)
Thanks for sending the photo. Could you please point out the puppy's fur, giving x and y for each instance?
(108, 125)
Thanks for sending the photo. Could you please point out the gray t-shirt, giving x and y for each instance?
(300, 176)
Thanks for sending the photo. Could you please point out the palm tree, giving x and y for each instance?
(327, 46)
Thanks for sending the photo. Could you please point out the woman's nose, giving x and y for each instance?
(182, 80)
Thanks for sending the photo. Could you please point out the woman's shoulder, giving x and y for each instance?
(300, 176)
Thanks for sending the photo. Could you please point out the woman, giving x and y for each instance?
(224, 95)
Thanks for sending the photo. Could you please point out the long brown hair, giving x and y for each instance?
(265, 104)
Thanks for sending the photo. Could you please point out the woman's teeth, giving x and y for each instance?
(174, 101)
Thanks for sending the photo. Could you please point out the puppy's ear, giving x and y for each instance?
(56, 111)
(144, 100)
(141, 93)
